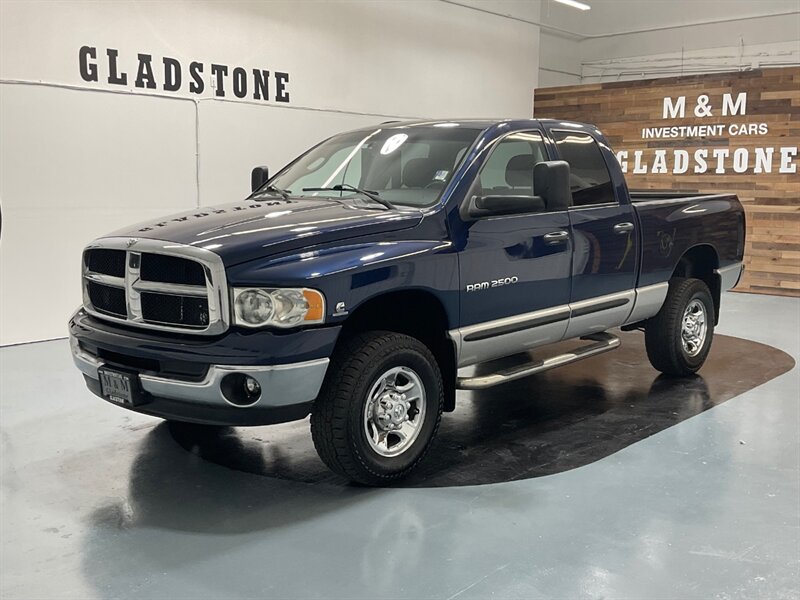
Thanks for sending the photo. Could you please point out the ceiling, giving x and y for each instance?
(625, 16)
(614, 17)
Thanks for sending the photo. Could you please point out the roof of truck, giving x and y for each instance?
(473, 122)
(476, 123)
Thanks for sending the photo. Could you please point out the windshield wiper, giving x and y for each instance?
(346, 187)
(277, 190)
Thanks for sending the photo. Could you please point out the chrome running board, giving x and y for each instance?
(603, 342)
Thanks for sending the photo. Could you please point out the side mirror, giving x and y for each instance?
(551, 183)
(485, 206)
(258, 177)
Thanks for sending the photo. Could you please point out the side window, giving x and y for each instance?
(589, 178)
(509, 169)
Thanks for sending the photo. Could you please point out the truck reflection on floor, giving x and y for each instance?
(574, 416)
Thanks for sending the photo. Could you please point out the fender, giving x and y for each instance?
(352, 274)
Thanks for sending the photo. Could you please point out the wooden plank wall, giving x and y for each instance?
(771, 200)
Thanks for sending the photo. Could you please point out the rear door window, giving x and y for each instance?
(589, 178)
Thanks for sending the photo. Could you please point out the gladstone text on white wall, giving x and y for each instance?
(95, 136)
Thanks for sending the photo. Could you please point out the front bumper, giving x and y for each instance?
(287, 390)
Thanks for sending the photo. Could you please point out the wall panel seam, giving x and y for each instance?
(81, 88)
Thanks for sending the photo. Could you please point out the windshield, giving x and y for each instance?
(407, 166)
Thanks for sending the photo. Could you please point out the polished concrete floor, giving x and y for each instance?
(702, 500)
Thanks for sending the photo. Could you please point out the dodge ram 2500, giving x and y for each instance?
(355, 283)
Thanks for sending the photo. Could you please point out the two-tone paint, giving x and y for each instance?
(609, 267)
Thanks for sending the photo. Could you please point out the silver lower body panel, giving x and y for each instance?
(585, 317)
(281, 385)
(472, 351)
(649, 300)
(614, 310)
(730, 276)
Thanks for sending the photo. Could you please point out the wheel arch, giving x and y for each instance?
(701, 262)
(415, 312)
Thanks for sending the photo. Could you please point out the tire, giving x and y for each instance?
(345, 417)
(664, 333)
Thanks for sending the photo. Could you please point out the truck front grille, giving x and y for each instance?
(106, 262)
(156, 285)
(180, 310)
(171, 269)
(107, 299)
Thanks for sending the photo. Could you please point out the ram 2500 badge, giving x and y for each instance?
(356, 282)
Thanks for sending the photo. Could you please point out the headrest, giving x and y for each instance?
(519, 171)
(418, 172)
(551, 182)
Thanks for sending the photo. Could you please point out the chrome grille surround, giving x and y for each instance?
(215, 289)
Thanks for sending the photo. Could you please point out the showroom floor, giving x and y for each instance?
(101, 502)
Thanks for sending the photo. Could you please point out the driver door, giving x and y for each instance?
(515, 268)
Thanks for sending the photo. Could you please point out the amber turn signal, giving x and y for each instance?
(316, 305)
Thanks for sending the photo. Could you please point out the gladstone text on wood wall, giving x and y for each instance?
(731, 132)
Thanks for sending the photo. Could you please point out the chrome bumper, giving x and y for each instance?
(282, 385)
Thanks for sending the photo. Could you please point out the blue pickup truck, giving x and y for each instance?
(355, 283)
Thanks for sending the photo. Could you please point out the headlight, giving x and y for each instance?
(289, 307)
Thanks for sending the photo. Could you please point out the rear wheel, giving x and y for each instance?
(679, 337)
(379, 409)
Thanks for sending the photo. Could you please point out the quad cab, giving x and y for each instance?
(356, 283)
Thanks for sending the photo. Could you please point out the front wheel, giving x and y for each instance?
(379, 408)
(679, 337)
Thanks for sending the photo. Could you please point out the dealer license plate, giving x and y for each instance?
(119, 387)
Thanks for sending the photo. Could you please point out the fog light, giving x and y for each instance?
(252, 388)
(240, 389)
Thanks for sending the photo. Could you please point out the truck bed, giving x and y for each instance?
(646, 195)
(671, 223)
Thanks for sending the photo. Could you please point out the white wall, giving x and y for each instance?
(623, 39)
(728, 46)
(559, 60)
(78, 159)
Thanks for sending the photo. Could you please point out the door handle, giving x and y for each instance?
(623, 228)
(556, 237)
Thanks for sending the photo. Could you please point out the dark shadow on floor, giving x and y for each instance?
(546, 424)
(172, 489)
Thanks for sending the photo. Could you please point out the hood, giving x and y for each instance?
(248, 230)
